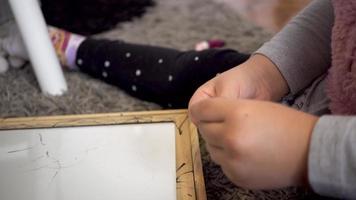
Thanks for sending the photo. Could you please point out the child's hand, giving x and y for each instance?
(258, 144)
(257, 78)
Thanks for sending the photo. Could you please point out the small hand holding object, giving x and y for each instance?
(258, 144)
(257, 78)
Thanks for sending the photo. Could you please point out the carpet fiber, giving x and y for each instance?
(178, 24)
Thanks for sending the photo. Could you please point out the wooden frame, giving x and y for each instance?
(190, 180)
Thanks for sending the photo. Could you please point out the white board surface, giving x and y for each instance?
(91, 163)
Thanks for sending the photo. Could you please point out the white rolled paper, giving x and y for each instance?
(34, 32)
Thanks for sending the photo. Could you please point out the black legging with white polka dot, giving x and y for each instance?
(166, 76)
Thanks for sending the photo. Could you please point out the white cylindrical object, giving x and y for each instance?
(34, 32)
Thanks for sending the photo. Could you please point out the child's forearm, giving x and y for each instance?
(302, 50)
(332, 157)
(271, 77)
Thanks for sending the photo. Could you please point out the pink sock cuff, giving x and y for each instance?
(72, 49)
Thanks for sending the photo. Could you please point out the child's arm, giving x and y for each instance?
(332, 157)
(302, 50)
(299, 54)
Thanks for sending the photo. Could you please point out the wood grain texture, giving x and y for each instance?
(189, 173)
(198, 165)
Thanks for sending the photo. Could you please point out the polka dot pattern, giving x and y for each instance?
(80, 61)
(152, 73)
(107, 64)
(105, 74)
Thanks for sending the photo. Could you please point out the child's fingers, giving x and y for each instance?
(204, 92)
(209, 110)
(226, 90)
(212, 133)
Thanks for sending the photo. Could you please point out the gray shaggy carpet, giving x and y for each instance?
(177, 24)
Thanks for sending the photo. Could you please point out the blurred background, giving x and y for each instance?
(93, 16)
(269, 14)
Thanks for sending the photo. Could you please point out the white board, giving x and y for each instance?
(93, 163)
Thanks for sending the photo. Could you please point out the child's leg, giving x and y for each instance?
(165, 76)
(162, 75)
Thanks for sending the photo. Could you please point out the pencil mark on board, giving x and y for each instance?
(20, 150)
(41, 139)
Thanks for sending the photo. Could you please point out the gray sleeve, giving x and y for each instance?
(302, 49)
(332, 157)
